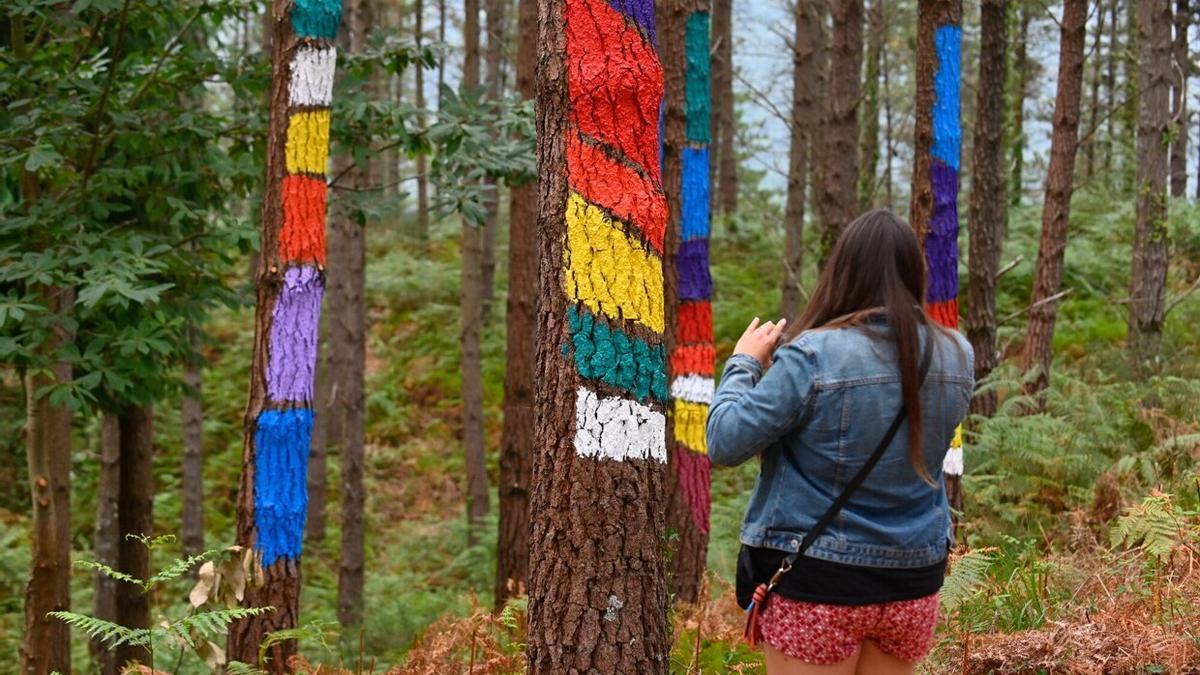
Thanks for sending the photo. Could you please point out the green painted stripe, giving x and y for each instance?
(699, 94)
(604, 353)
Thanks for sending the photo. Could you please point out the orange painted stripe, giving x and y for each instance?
(302, 236)
(618, 188)
(694, 360)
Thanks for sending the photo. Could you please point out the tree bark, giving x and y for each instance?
(1179, 111)
(1056, 210)
(805, 120)
(1148, 278)
(724, 122)
(472, 299)
(988, 200)
(889, 142)
(1110, 83)
(422, 161)
(107, 534)
(135, 517)
(1022, 75)
(837, 201)
(497, 31)
(325, 405)
(517, 441)
(1090, 141)
(597, 600)
(279, 415)
(192, 473)
(869, 143)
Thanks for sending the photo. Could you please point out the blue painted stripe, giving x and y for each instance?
(947, 127)
(696, 198)
(281, 442)
(316, 19)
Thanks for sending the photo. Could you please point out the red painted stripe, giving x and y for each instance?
(614, 82)
(945, 313)
(694, 472)
(694, 323)
(618, 188)
(302, 236)
(694, 360)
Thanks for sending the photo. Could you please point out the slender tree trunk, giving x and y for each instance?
(1129, 109)
(988, 201)
(1020, 91)
(837, 201)
(597, 600)
(724, 119)
(1179, 90)
(869, 143)
(889, 143)
(497, 31)
(107, 534)
(1198, 165)
(517, 441)
(937, 151)
(135, 517)
(192, 426)
(1110, 83)
(684, 48)
(1056, 211)
(325, 405)
(441, 77)
(1090, 141)
(472, 299)
(272, 501)
(422, 161)
(805, 120)
(1148, 278)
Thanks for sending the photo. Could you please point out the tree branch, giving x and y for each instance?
(1039, 303)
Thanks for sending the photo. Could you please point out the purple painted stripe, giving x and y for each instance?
(695, 282)
(941, 244)
(292, 350)
(641, 11)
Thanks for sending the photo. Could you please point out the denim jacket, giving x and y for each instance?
(815, 417)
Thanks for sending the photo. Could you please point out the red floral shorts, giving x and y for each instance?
(823, 634)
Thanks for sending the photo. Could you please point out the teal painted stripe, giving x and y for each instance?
(604, 353)
(316, 19)
(698, 91)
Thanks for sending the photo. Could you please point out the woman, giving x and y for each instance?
(861, 359)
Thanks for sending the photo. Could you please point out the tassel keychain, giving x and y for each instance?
(759, 600)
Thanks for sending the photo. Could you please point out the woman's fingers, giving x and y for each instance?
(752, 327)
(777, 332)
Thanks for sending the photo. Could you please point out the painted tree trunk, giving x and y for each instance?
(597, 600)
(869, 143)
(836, 196)
(272, 500)
(517, 437)
(1056, 210)
(988, 200)
(684, 40)
(934, 208)
(724, 122)
(135, 517)
(46, 646)
(805, 121)
(106, 535)
(1182, 67)
(192, 470)
(1021, 76)
(1147, 281)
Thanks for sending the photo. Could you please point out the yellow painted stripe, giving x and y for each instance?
(690, 420)
(608, 271)
(308, 142)
(956, 442)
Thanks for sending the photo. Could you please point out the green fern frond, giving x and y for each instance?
(213, 623)
(966, 577)
(181, 566)
(108, 633)
(109, 572)
(239, 668)
(510, 616)
(1152, 526)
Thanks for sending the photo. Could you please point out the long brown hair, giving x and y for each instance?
(876, 270)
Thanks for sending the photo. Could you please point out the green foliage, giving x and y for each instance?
(967, 576)
(1156, 526)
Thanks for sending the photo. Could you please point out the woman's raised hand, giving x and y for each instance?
(760, 340)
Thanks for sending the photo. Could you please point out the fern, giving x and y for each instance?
(181, 566)
(1152, 526)
(239, 668)
(967, 575)
(108, 633)
(312, 631)
(109, 572)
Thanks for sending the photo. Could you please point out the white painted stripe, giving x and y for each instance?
(312, 76)
(617, 428)
(693, 388)
(952, 465)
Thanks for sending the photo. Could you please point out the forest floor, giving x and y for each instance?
(1082, 527)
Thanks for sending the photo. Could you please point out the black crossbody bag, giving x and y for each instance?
(762, 590)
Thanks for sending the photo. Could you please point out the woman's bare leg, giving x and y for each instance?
(779, 663)
(874, 661)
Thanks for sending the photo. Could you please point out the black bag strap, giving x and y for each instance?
(859, 477)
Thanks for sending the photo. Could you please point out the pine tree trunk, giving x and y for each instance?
(1150, 247)
(1020, 91)
(988, 201)
(724, 120)
(290, 284)
(869, 143)
(192, 471)
(135, 516)
(496, 33)
(805, 120)
(1056, 210)
(1110, 84)
(472, 299)
(107, 534)
(1091, 139)
(597, 600)
(47, 645)
(683, 34)
(889, 142)
(441, 69)
(1129, 110)
(421, 161)
(517, 441)
(324, 403)
(1179, 92)
(836, 197)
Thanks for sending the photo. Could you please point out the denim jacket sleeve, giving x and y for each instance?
(750, 411)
